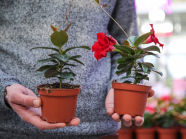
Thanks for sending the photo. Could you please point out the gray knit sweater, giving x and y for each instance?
(25, 24)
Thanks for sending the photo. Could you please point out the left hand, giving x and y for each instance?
(127, 119)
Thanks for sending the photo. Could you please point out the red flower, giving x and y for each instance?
(150, 110)
(163, 110)
(165, 98)
(103, 45)
(152, 38)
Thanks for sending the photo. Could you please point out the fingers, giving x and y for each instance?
(43, 125)
(33, 118)
(127, 120)
(116, 117)
(74, 122)
(18, 94)
(138, 120)
(109, 102)
(151, 93)
(24, 100)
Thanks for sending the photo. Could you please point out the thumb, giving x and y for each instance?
(109, 102)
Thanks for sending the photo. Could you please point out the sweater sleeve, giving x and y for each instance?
(6, 80)
(125, 14)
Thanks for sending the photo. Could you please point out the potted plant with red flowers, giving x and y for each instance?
(147, 131)
(59, 99)
(180, 116)
(130, 96)
(165, 119)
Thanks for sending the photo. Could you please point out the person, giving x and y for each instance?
(26, 24)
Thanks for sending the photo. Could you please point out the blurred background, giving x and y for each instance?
(169, 19)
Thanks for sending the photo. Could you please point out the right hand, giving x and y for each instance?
(27, 105)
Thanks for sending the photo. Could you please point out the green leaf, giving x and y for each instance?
(43, 61)
(45, 48)
(133, 39)
(78, 62)
(135, 57)
(145, 68)
(124, 69)
(121, 60)
(125, 49)
(45, 67)
(120, 66)
(69, 65)
(148, 64)
(152, 48)
(139, 51)
(127, 77)
(141, 39)
(97, 1)
(129, 71)
(59, 38)
(150, 53)
(153, 69)
(74, 57)
(84, 47)
(127, 81)
(63, 58)
(70, 71)
(68, 26)
(52, 72)
(66, 75)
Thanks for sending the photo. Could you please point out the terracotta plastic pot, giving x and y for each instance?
(130, 98)
(114, 136)
(125, 133)
(167, 133)
(58, 105)
(145, 133)
(183, 133)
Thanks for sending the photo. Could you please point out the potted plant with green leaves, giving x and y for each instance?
(180, 116)
(130, 96)
(166, 125)
(147, 130)
(59, 99)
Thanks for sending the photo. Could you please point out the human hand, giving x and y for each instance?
(127, 119)
(27, 105)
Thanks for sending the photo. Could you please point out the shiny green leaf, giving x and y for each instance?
(141, 39)
(59, 38)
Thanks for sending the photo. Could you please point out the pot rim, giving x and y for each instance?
(58, 92)
(132, 87)
(38, 86)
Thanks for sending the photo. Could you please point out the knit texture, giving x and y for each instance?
(25, 24)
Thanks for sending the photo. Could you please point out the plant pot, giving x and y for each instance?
(145, 133)
(167, 133)
(114, 136)
(130, 98)
(58, 105)
(183, 133)
(125, 133)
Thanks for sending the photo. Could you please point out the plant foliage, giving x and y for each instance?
(130, 53)
(59, 63)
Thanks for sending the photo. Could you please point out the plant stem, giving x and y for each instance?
(115, 22)
(60, 83)
(135, 67)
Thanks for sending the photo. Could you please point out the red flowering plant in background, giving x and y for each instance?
(180, 112)
(150, 112)
(130, 53)
(165, 112)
